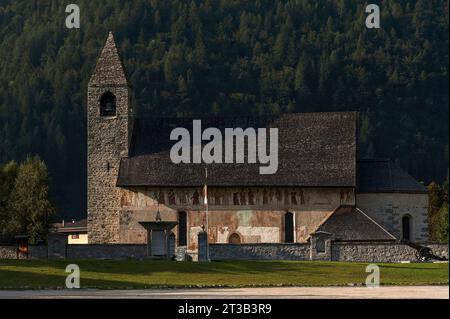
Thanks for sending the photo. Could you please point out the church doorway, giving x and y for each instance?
(158, 243)
(288, 228)
(182, 229)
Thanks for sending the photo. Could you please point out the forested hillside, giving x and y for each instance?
(190, 57)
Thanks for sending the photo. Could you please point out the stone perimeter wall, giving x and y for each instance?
(35, 252)
(380, 252)
(340, 251)
(259, 251)
(100, 251)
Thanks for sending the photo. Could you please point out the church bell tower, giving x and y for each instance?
(109, 124)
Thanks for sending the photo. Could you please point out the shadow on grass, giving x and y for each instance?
(232, 268)
(26, 280)
(146, 267)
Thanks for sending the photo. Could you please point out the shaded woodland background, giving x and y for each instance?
(227, 57)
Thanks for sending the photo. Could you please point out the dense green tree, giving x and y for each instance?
(8, 174)
(29, 208)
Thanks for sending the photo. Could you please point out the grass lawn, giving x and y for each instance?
(15, 274)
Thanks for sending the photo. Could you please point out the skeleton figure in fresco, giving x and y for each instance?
(251, 198)
(265, 197)
(286, 197)
(257, 197)
(236, 199)
(225, 198)
(217, 198)
(195, 198)
(294, 198)
(160, 197)
(181, 197)
(242, 198)
(342, 196)
(271, 196)
(171, 196)
(279, 196)
(302, 197)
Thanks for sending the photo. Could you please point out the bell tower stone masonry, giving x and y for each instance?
(109, 123)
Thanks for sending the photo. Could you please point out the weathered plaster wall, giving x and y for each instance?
(389, 208)
(255, 214)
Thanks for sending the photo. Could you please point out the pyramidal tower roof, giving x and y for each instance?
(109, 69)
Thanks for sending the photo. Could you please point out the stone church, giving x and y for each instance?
(320, 185)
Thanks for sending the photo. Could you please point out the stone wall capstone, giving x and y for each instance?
(340, 251)
(259, 251)
(107, 251)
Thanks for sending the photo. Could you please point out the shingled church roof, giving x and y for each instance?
(384, 176)
(315, 149)
(348, 223)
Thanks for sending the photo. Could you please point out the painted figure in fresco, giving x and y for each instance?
(294, 198)
(235, 198)
(161, 199)
(171, 195)
(271, 195)
(265, 197)
(251, 198)
(279, 195)
(302, 197)
(242, 198)
(196, 198)
(286, 197)
(181, 197)
(342, 196)
(217, 198)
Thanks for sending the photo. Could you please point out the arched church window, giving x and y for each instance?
(108, 104)
(234, 238)
(182, 229)
(288, 228)
(406, 227)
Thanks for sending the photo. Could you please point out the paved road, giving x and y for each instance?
(415, 292)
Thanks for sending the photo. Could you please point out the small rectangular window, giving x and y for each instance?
(320, 246)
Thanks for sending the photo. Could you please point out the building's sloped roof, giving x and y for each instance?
(73, 226)
(315, 149)
(349, 223)
(382, 175)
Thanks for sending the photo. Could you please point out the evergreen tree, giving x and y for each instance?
(31, 209)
